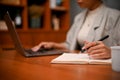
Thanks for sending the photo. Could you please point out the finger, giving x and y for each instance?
(35, 48)
(90, 44)
(85, 43)
(97, 56)
(97, 51)
(97, 47)
(97, 42)
(47, 46)
(42, 44)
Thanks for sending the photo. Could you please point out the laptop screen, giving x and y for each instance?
(13, 33)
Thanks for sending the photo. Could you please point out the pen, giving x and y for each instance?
(103, 38)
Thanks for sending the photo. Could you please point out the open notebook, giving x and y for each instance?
(72, 58)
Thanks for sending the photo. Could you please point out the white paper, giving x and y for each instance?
(74, 58)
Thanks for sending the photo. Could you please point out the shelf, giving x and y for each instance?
(36, 30)
(63, 9)
(32, 36)
(12, 5)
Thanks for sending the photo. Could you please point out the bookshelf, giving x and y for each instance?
(46, 29)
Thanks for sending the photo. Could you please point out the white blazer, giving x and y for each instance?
(107, 23)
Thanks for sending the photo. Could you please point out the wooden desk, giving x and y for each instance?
(13, 66)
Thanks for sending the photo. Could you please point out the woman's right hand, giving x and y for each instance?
(97, 50)
(46, 45)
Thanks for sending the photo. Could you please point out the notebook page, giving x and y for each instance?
(100, 61)
(72, 58)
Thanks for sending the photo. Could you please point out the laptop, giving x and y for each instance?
(18, 45)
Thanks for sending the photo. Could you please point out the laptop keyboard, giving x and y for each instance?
(42, 52)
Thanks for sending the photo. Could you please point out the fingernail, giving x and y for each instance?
(83, 48)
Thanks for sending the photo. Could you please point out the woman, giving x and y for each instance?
(90, 25)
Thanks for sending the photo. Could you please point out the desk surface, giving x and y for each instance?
(14, 66)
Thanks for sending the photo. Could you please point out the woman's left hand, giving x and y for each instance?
(97, 50)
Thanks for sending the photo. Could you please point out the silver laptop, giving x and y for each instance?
(18, 45)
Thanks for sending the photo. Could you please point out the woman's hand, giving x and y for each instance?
(48, 45)
(97, 50)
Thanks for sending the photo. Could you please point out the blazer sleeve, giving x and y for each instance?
(116, 32)
(71, 33)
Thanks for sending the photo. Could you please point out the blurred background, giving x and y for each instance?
(40, 20)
